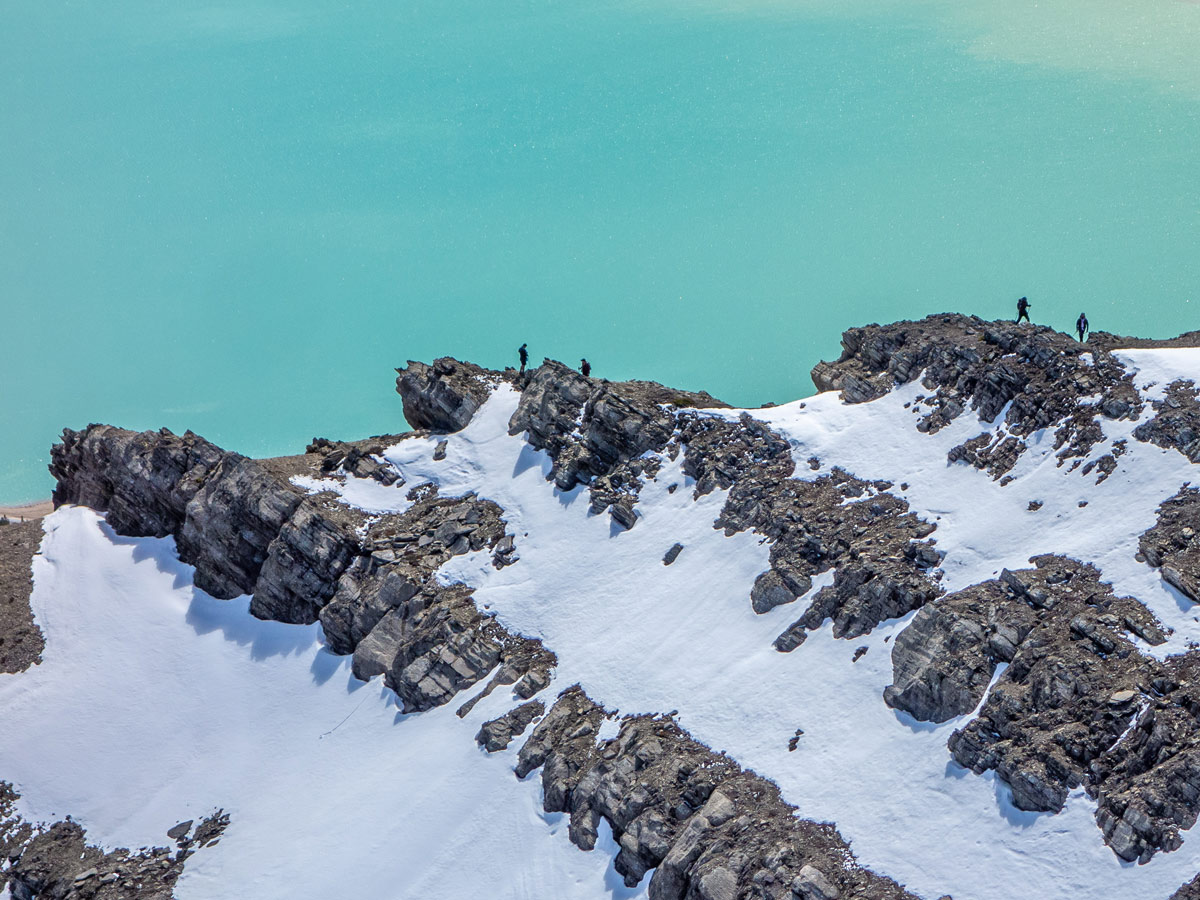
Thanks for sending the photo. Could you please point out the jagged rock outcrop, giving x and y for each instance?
(21, 641)
(1149, 780)
(368, 580)
(57, 863)
(614, 436)
(142, 481)
(498, 733)
(834, 521)
(1176, 421)
(995, 454)
(709, 829)
(1078, 705)
(591, 426)
(444, 396)
(1172, 545)
(1052, 713)
(358, 458)
(1043, 378)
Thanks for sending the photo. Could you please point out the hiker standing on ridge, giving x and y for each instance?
(1081, 325)
(585, 367)
(1023, 310)
(524, 355)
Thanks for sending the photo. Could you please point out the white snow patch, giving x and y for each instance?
(256, 718)
(643, 637)
(609, 729)
(365, 493)
(157, 703)
(1155, 369)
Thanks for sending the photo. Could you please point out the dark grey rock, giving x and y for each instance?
(1176, 422)
(303, 566)
(498, 733)
(770, 591)
(443, 397)
(706, 827)
(230, 523)
(1173, 545)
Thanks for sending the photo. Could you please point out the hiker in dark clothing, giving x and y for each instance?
(585, 367)
(524, 354)
(1081, 325)
(1023, 310)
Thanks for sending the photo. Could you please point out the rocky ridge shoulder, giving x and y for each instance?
(1035, 376)
(369, 580)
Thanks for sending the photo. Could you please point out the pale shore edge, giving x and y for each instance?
(26, 512)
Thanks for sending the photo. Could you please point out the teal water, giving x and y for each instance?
(238, 219)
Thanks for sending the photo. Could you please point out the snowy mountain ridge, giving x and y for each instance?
(946, 606)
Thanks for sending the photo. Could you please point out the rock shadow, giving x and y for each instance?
(232, 618)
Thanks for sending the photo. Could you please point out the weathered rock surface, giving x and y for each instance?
(143, 481)
(614, 435)
(709, 829)
(21, 641)
(1078, 704)
(590, 427)
(995, 454)
(358, 458)
(1043, 377)
(1176, 421)
(57, 863)
(1173, 544)
(834, 521)
(499, 733)
(368, 580)
(442, 397)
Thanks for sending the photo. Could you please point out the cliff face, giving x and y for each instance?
(1064, 670)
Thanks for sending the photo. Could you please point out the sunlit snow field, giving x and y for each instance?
(157, 703)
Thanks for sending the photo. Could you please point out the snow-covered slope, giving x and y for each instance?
(156, 703)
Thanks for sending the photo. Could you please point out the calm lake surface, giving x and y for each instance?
(238, 219)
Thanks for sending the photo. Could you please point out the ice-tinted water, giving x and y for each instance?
(238, 219)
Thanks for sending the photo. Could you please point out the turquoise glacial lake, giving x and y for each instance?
(239, 218)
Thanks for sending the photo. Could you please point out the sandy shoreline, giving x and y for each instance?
(27, 511)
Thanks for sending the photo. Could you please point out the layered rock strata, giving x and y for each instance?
(708, 828)
(1035, 376)
(304, 558)
(1172, 545)
(1079, 704)
(612, 436)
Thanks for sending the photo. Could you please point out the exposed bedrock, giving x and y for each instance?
(615, 435)
(1172, 545)
(589, 425)
(876, 546)
(1176, 421)
(444, 396)
(709, 829)
(1078, 704)
(55, 862)
(304, 558)
(1043, 377)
